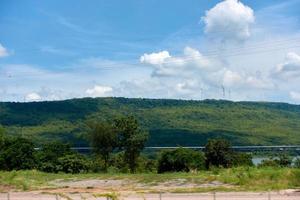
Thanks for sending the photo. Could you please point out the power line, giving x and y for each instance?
(135, 64)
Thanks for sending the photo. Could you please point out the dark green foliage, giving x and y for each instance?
(2, 136)
(49, 154)
(268, 163)
(73, 163)
(103, 139)
(284, 160)
(218, 153)
(297, 163)
(170, 122)
(17, 154)
(131, 140)
(180, 160)
(241, 159)
(146, 164)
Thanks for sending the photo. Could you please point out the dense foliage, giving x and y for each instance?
(180, 160)
(104, 139)
(131, 140)
(170, 122)
(283, 160)
(17, 154)
(123, 133)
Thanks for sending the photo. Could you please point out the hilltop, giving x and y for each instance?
(170, 122)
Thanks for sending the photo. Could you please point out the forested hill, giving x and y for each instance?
(170, 122)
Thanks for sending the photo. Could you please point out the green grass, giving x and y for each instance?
(239, 179)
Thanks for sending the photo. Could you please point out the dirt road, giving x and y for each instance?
(283, 195)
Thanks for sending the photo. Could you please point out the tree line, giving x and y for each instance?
(118, 147)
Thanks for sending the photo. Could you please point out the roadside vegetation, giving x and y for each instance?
(118, 154)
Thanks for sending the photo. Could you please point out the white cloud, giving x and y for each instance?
(99, 91)
(33, 97)
(232, 78)
(155, 58)
(295, 95)
(290, 68)
(229, 20)
(190, 62)
(3, 51)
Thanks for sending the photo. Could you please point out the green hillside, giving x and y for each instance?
(170, 122)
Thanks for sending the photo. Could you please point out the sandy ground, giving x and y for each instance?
(95, 189)
(283, 195)
(130, 185)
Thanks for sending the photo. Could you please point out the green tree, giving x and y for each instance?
(17, 154)
(2, 136)
(180, 160)
(284, 160)
(218, 153)
(131, 139)
(103, 139)
(73, 163)
(49, 154)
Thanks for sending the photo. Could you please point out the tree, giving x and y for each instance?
(103, 139)
(73, 163)
(218, 153)
(131, 139)
(180, 160)
(284, 160)
(241, 159)
(18, 153)
(49, 154)
(2, 136)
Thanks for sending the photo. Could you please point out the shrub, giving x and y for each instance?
(268, 163)
(73, 163)
(180, 160)
(49, 154)
(241, 159)
(117, 162)
(297, 163)
(17, 154)
(284, 160)
(218, 153)
(146, 164)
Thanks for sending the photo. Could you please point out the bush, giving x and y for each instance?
(17, 154)
(49, 154)
(218, 153)
(146, 164)
(297, 163)
(241, 159)
(118, 163)
(268, 163)
(284, 160)
(73, 163)
(180, 160)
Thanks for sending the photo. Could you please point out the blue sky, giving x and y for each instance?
(235, 50)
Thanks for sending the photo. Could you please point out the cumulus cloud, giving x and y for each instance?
(229, 20)
(155, 58)
(244, 81)
(232, 78)
(290, 68)
(166, 65)
(3, 51)
(99, 91)
(33, 97)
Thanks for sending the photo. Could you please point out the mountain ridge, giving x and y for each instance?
(169, 121)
